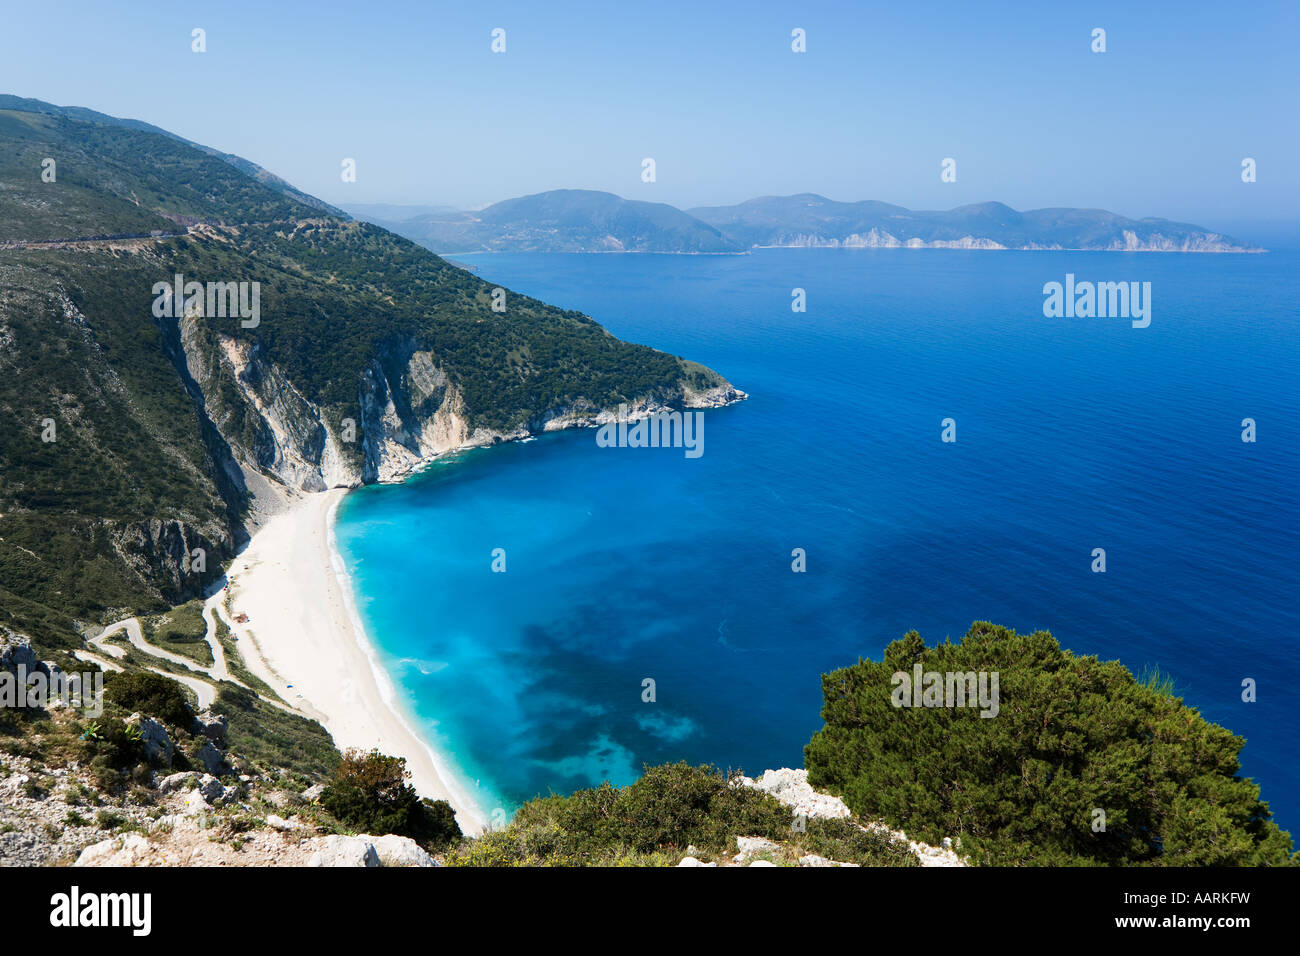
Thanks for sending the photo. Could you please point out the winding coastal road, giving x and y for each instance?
(204, 679)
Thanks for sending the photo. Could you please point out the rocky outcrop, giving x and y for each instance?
(408, 422)
(44, 817)
(343, 851)
(210, 725)
(750, 847)
(163, 552)
(158, 746)
(363, 850)
(16, 650)
(277, 442)
(211, 759)
(277, 822)
(211, 789)
(411, 411)
(178, 781)
(394, 850)
(791, 788)
(128, 850)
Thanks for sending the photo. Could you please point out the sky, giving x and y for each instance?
(1157, 125)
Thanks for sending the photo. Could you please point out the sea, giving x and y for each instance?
(555, 613)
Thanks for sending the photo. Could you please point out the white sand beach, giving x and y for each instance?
(303, 638)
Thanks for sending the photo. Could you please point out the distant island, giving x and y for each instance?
(583, 220)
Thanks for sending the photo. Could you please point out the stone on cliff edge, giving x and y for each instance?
(210, 725)
(158, 747)
(343, 851)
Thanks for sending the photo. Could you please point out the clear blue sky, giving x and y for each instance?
(1156, 126)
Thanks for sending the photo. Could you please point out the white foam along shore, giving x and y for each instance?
(304, 637)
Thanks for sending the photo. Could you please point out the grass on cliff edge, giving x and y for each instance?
(272, 738)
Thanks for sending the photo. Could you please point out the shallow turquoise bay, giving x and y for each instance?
(625, 564)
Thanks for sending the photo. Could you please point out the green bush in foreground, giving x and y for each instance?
(369, 793)
(1072, 736)
(652, 822)
(151, 694)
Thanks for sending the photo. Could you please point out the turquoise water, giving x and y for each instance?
(626, 563)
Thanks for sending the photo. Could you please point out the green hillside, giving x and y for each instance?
(112, 180)
(157, 434)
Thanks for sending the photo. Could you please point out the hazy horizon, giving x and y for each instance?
(1156, 126)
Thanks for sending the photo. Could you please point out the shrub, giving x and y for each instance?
(108, 820)
(675, 805)
(109, 747)
(369, 793)
(1072, 735)
(649, 822)
(151, 694)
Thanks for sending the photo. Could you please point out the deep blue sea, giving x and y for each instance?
(1072, 434)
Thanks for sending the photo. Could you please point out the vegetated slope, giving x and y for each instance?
(249, 168)
(112, 180)
(106, 480)
(175, 433)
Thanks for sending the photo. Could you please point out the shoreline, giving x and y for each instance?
(312, 648)
(305, 638)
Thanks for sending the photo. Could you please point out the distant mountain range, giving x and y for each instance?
(563, 220)
(581, 220)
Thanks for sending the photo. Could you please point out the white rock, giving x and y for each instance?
(762, 863)
(812, 859)
(276, 822)
(177, 780)
(118, 851)
(343, 851)
(752, 846)
(210, 788)
(158, 747)
(394, 850)
(791, 788)
(691, 861)
(193, 804)
(210, 725)
(212, 759)
(97, 853)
